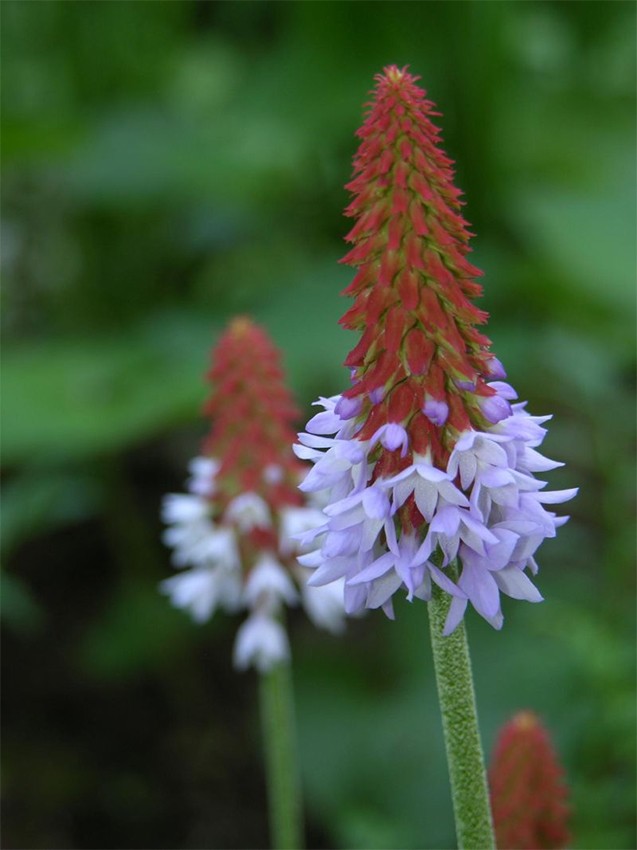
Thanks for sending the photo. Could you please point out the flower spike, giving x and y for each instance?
(234, 530)
(426, 458)
(528, 793)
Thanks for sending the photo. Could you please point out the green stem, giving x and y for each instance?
(284, 786)
(469, 791)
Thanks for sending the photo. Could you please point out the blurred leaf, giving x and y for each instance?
(72, 398)
(40, 499)
(18, 610)
(138, 632)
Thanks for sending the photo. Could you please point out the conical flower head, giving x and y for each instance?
(253, 416)
(420, 352)
(429, 462)
(528, 792)
(234, 530)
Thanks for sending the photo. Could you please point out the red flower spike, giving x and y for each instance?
(413, 284)
(253, 415)
(235, 532)
(528, 793)
(424, 465)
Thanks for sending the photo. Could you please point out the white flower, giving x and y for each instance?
(248, 511)
(268, 583)
(261, 641)
(201, 590)
(294, 522)
(182, 508)
(325, 605)
(202, 475)
(200, 543)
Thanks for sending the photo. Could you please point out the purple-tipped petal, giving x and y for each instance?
(495, 369)
(348, 408)
(436, 411)
(504, 390)
(495, 408)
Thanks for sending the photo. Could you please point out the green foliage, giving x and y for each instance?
(168, 165)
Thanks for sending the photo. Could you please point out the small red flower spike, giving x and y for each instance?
(528, 793)
(252, 415)
(237, 528)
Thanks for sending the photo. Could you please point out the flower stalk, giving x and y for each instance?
(452, 664)
(283, 781)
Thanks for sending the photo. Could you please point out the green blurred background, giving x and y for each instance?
(167, 165)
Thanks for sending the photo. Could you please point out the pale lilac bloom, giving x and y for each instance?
(486, 509)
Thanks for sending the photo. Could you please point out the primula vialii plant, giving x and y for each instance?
(425, 463)
(235, 530)
(234, 538)
(528, 792)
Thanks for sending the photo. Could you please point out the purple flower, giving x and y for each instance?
(486, 510)
(436, 411)
(495, 408)
(495, 369)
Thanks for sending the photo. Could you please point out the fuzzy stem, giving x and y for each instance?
(471, 807)
(283, 781)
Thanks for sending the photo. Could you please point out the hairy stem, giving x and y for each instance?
(474, 827)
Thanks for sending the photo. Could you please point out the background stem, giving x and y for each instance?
(469, 790)
(283, 781)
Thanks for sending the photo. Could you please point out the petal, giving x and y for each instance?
(456, 613)
(376, 503)
(481, 589)
(376, 569)
(444, 582)
(555, 497)
(332, 569)
(325, 422)
(426, 496)
(517, 585)
(311, 559)
(354, 598)
(383, 589)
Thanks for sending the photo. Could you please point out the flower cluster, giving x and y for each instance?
(425, 458)
(234, 531)
(528, 793)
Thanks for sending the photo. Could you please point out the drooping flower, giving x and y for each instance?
(528, 792)
(426, 457)
(234, 532)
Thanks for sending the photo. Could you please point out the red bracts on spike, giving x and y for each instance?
(413, 284)
(253, 415)
(528, 794)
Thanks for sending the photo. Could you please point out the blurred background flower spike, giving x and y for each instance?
(528, 790)
(234, 541)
